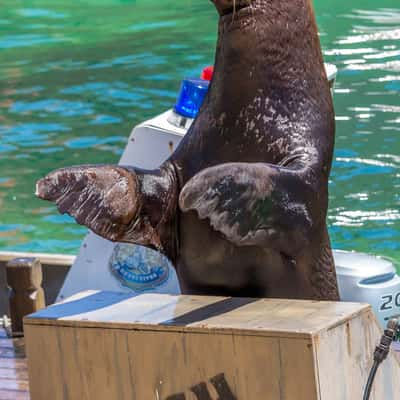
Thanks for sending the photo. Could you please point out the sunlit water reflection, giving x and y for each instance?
(74, 80)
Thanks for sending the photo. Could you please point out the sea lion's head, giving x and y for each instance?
(230, 6)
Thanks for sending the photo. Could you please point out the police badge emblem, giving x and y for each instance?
(139, 268)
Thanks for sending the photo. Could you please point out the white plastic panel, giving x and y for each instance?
(148, 146)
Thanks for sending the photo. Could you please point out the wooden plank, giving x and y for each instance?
(11, 348)
(13, 374)
(286, 316)
(108, 346)
(165, 312)
(344, 357)
(14, 395)
(299, 380)
(8, 343)
(144, 365)
(48, 259)
(12, 353)
(13, 369)
(13, 363)
(20, 385)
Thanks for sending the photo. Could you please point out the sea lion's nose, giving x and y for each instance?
(227, 6)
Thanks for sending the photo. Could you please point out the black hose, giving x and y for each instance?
(381, 352)
(371, 379)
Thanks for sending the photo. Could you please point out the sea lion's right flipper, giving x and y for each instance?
(256, 204)
(118, 203)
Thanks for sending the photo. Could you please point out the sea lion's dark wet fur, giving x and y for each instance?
(251, 174)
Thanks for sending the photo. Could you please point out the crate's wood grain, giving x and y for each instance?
(96, 365)
(289, 318)
(346, 351)
(345, 355)
(106, 346)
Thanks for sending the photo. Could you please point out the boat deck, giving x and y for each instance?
(13, 369)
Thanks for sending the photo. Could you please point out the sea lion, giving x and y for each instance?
(240, 207)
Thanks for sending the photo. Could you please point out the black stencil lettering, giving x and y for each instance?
(222, 387)
(201, 391)
(179, 396)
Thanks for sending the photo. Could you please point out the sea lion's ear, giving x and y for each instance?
(104, 198)
(252, 204)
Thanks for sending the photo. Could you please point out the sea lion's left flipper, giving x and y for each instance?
(256, 204)
(119, 203)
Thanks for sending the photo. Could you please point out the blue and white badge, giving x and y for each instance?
(138, 268)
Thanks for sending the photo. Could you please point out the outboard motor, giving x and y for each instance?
(368, 279)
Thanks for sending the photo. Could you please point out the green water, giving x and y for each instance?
(76, 76)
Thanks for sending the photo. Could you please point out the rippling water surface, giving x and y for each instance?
(76, 76)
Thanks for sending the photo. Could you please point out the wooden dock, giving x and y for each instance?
(13, 369)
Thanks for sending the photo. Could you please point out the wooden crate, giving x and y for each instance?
(110, 346)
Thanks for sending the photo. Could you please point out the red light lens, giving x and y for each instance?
(207, 73)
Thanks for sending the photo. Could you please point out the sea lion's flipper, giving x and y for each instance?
(118, 203)
(255, 204)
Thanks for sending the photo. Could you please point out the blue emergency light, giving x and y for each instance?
(191, 97)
